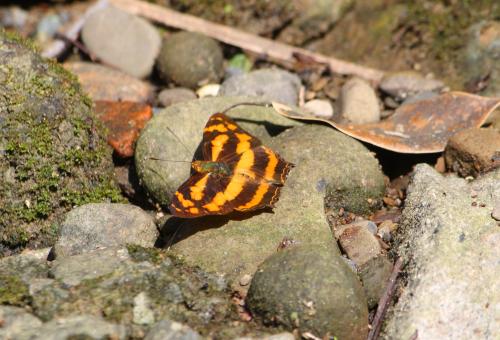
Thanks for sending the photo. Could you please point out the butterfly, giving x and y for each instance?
(236, 173)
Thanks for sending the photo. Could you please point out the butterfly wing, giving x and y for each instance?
(223, 139)
(195, 197)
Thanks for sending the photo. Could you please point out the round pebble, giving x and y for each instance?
(320, 108)
(123, 40)
(359, 103)
(190, 60)
(169, 97)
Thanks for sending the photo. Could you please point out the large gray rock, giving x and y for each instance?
(451, 247)
(94, 226)
(271, 84)
(235, 245)
(54, 154)
(123, 40)
(72, 270)
(150, 286)
(311, 289)
(190, 60)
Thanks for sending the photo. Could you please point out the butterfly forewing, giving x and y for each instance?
(223, 139)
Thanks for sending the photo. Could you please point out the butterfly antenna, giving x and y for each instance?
(265, 104)
(179, 140)
(174, 235)
(167, 160)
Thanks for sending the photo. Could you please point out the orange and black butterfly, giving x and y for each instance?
(236, 173)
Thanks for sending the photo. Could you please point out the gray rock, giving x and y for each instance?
(72, 270)
(104, 83)
(27, 265)
(375, 274)
(452, 249)
(236, 246)
(319, 107)
(419, 96)
(78, 326)
(401, 85)
(359, 244)
(143, 314)
(123, 40)
(37, 284)
(174, 291)
(359, 103)
(271, 84)
(481, 57)
(171, 330)
(169, 97)
(190, 60)
(310, 289)
(15, 321)
(94, 226)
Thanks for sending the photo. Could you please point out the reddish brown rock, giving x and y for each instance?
(124, 121)
(473, 151)
(103, 83)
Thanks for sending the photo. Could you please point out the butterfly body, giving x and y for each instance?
(211, 167)
(237, 173)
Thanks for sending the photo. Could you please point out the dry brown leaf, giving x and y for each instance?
(420, 127)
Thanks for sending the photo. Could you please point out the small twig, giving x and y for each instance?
(78, 45)
(278, 52)
(384, 301)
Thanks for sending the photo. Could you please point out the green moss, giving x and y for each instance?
(359, 200)
(55, 150)
(13, 291)
(139, 254)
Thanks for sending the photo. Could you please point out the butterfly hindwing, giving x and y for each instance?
(195, 197)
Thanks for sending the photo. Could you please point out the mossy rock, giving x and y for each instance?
(312, 290)
(175, 291)
(53, 152)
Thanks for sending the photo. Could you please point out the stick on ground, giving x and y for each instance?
(384, 302)
(277, 52)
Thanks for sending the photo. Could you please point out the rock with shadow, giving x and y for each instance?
(235, 244)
